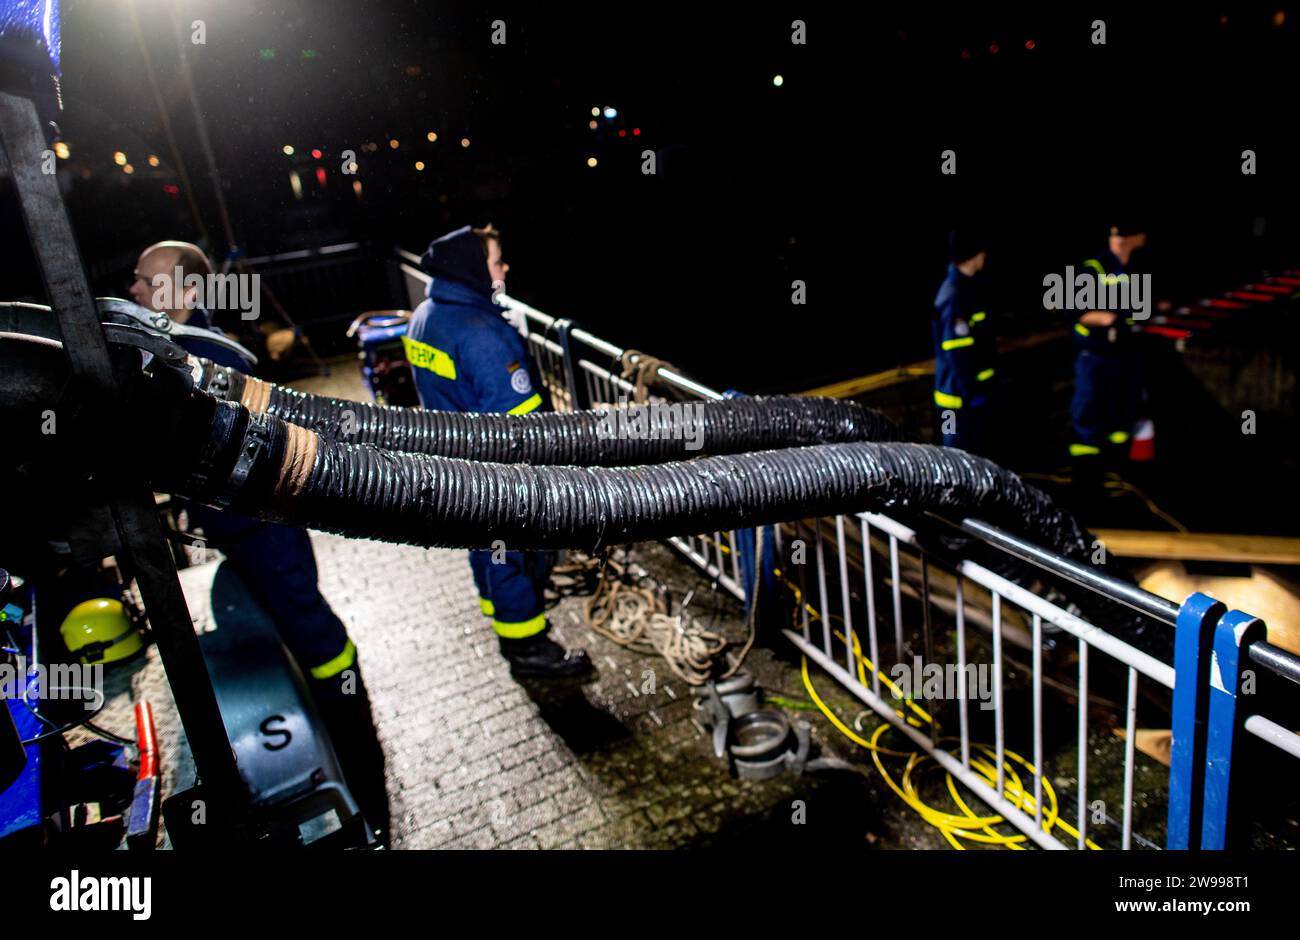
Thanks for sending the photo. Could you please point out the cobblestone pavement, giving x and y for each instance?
(478, 760)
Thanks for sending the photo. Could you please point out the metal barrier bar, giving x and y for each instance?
(1130, 742)
(803, 590)
(999, 732)
(844, 596)
(1038, 718)
(1140, 600)
(927, 647)
(1096, 637)
(962, 692)
(872, 638)
(896, 590)
(1266, 729)
(821, 587)
(1083, 744)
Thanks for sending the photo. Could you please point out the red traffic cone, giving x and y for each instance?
(1142, 447)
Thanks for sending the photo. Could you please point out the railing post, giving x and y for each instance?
(563, 336)
(1193, 632)
(1235, 632)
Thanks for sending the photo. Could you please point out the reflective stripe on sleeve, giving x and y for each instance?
(526, 406)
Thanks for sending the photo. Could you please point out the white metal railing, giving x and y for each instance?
(564, 364)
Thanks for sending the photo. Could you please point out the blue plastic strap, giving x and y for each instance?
(1235, 632)
(1192, 638)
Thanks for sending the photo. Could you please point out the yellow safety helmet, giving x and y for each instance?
(100, 631)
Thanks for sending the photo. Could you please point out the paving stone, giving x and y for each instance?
(478, 760)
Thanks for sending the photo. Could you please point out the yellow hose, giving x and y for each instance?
(953, 826)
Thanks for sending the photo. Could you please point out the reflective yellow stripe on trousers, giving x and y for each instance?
(336, 665)
(518, 631)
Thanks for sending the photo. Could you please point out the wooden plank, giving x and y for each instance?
(850, 388)
(1201, 546)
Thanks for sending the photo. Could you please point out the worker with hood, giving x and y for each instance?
(466, 357)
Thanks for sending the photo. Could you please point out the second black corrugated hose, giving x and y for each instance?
(644, 433)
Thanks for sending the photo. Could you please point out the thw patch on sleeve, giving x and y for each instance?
(520, 382)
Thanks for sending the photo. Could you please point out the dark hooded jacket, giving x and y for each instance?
(463, 353)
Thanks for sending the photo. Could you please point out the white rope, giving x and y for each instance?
(637, 618)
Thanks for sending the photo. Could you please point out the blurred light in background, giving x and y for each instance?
(153, 160)
(61, 150)
(288, 151)
(778, 80)
(119, 158)
(432, 136)
(591, 161)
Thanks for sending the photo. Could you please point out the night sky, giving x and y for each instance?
(831, 177)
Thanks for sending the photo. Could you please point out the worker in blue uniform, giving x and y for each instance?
(466, 357)
(1108, 385)
(965, 347)
(277, 565)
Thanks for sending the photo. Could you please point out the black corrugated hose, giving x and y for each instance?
(218, 453)
(675, 431)
(361, 490)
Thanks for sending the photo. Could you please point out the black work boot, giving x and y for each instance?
(344, 706)
(540, 657)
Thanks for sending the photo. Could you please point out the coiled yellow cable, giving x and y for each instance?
(954, 827)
